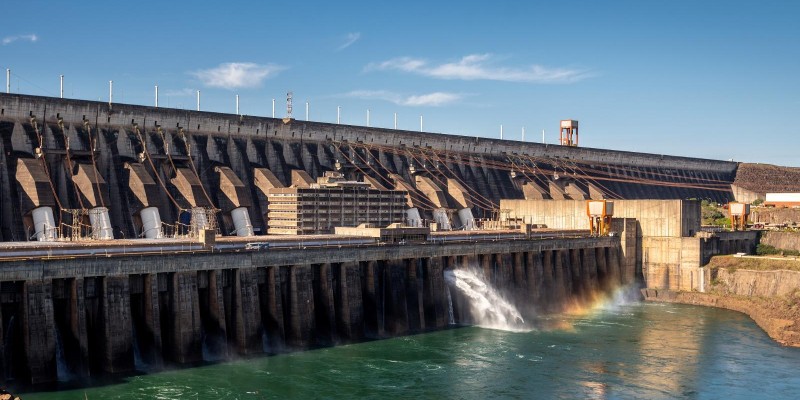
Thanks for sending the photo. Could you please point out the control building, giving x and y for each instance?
(332, 202)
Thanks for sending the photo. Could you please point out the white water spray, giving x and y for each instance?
(486, 306)
(451, 317)
(62, 369)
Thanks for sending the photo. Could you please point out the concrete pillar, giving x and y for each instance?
(537, 284)
(273, 320)
(414, 290)
(77, 326)
(575, 265)
(115, 319)
(374, 304)
(590, 278)
(603, 278)
(350, 315)
(561, 277)
(487, 266)
(216, 328)
(395, 292)
(435, 294)
(324, 304)
(247, 312)
(504, 272)
(184, 319)
(520, 280)
(38, 330)
(301, 328)
(615, 267)
(152, 322)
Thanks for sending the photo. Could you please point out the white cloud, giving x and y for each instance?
(349, 39)
(434, 99)
(237, 75)
(479, 67)
(12, 39)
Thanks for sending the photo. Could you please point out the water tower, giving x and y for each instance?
(569, 132)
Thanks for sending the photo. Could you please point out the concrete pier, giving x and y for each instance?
(94, 317)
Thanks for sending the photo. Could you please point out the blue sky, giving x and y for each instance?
(713, 79)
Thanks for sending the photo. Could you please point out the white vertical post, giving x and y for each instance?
(198, 100)
(368, 117)
(157, 96)
(395, 120)
(306, 111)
(110, 92)
(501, 131)
(8, 80)
(420, 123)
(237, 104)
(338, 114)
(523, 133)
(273, 108)
(61, 86)
(542, 136)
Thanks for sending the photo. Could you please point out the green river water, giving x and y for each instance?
(636, 350)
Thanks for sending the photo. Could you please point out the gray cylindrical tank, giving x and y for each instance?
(465, 215)
(101, 224)
(441, 218)
(241, 221)
(44, 225)
(413, 218)
(151, 223)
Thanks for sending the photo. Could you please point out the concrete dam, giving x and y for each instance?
(135, 237)
(73, 154)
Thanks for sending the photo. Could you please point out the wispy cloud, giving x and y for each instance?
(237, 75)
(14, 38)
(434, 99)
(349, 39)
(480, 67)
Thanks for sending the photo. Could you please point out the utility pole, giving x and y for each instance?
(306, 111)
(395, 120)
(110, 92)
(237, 104)
(273, 108)
(420, 123)
(523, 133)
(198, 100)
(8, 80)
(338, 114)
(61, 86)
(157, 96)
(501, 131)
(368, 117)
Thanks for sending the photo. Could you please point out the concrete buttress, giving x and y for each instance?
(247, 312)
(38, 330)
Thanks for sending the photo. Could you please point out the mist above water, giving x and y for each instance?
(487, 307)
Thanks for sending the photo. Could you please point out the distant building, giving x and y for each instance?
(332, 202)
(782, 200)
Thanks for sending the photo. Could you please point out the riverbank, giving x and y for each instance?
(765, 289)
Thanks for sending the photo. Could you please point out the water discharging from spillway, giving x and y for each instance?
(487, 307)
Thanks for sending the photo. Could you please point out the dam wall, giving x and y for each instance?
(72, 318)
(670, 245)
(76, 154)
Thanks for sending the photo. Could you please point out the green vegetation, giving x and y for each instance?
(713, 214)
(758, 202)
(765, 249)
